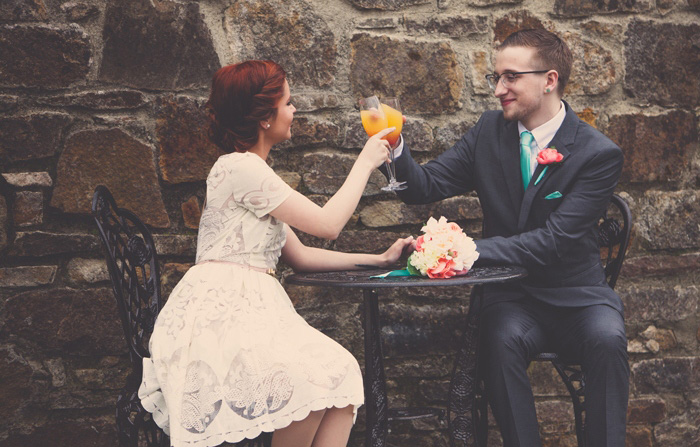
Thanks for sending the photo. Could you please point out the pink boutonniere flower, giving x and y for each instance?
(549, 156)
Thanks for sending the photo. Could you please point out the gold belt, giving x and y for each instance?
(269, 271)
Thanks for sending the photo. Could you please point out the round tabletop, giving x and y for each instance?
(361, 278)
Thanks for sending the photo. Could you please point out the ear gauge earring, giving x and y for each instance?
(547, 90)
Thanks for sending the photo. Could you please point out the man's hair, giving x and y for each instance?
(551, 52)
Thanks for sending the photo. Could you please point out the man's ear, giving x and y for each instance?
(552, 81)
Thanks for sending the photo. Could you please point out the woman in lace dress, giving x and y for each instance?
(230, 357)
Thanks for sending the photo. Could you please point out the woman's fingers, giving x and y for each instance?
(384, 132)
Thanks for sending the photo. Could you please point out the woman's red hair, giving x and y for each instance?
(241, 96)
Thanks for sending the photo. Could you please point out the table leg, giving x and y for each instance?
(461, 401)
(375, 381)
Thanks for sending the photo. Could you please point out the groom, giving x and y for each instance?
(542, 214)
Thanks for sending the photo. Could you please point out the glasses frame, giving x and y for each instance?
(492, 78)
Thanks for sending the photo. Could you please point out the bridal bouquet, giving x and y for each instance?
(443, 251)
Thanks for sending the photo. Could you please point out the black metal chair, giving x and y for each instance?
(132, 262)
(614, 229)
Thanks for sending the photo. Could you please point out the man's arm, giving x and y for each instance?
(578, 212)
(450, 174)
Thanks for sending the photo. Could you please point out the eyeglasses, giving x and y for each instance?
(508, 78)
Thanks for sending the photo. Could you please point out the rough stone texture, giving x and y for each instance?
(669, 219)
(32, 136)
(593, 71)
(28, 208)
(293, 179)
(646, 411)
(83, 322)
(514, 21)
(27, 276)
(660, 265)
(314, 101)
(83, 432)
(42, 56)
(29, 179)
(161, 45)
(455, 27)
(447, 136)
(377, 23)
(100, 100)
(639, 437)
(309, 132)
(386, 5)
(288, 32)
(325, 172)
(186, 153)
(77, 11)
(480, 67)
(23, 11)
(175, 244)
(8, 103)
(671, 374)
(426, 76)
(171, 274)
(694, 5)
(191, 212)
(589, 116)
(82, 271)
(654, 66)
(555, 416)
(650, 303)
(3, 222)
(386, 214)
(584, 8)
(656, 148)
(116, 160)
(41, 243)
(16, 383)
(365, 241)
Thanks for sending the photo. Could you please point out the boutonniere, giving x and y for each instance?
(548, 157)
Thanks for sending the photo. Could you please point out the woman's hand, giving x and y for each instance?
(398, 248)
(376, 150)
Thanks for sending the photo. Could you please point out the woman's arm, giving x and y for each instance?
(328, 221)
(309, 259)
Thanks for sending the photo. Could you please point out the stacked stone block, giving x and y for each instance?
(112, 92)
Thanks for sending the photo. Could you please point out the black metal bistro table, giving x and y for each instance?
(377, 407)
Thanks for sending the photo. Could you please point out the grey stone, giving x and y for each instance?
(4, 222)
(584, 8)
(77, 11)
(377, 23)
(82, 271)
(99, 100)
(386, 5)
(27, 276)
(161, 45)
(57, 369)
(41, 243)
(32, 137)
(8, 103)
(517, 20)
(28, 208)
(324, 172)
(23, 11)
(391, 213)
(175, 244)
(668, 220)
(16, 383)
(42, 56)
(671, 375)
(417, 134)
(655, 67)
(452, 26)
(315, 101)
(425, 75)
(313, 132)
(116, 160)
(447, 136)
(652, 303)
(29, 179)
(288, 32)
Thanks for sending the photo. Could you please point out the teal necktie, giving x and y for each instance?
(526, 140)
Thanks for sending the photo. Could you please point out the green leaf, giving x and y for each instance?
(411, 269)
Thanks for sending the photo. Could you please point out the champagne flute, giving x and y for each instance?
(392, 110)
(374, 118)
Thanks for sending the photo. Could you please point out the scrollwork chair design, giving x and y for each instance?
(133, 267)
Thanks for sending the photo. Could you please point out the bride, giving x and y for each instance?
(230, 357)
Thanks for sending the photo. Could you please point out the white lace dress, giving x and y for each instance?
(230, 357)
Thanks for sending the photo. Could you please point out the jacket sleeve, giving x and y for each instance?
(577, 214)
(450, 174)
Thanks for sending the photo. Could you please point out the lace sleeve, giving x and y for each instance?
(256, 186)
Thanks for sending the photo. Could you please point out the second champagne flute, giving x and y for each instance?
(392, 110)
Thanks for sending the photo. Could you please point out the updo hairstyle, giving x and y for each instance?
(241, 96)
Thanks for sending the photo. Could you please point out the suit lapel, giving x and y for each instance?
(563, 140)
(509, 149)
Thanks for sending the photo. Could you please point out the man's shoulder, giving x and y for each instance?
(594, 139)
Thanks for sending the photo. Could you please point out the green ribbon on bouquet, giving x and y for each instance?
(410, 270)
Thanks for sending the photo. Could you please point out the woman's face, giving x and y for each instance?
(280, 124)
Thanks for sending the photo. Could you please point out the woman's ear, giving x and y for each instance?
(265, 125)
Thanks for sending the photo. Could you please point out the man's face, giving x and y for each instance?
(523, 99)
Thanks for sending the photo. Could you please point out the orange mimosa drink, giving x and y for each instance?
(394, 119)
(373, 121)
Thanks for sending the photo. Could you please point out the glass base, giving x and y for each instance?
(395, 186)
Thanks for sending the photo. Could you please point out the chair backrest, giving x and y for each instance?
(614, 229)
(133, 269)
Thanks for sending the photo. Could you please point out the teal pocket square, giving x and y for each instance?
(554, 195)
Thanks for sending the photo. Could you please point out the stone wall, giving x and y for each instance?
(111, 92)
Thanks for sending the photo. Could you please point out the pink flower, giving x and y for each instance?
(419, 242)
(443, 269)
(549, 156)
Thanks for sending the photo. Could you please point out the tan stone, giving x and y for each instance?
(27, 276)
(649, 303)
(22, 11)
(290, 32)
(480, 65)
(387, 5)
(186, 153)
(639, 437)
(314, 101)
(387, 214)
(83, 271)
(324, 172)
(191, 212)
(28, 179)
(43, 243)
(668, 220)
(593, 71)
(176, 244)
(28, 208)
(452, 26)
(515, 21)
(293, 179)
(116, 160)
(171, 274)
(425, 75)
(583, 8)
(307, 132)
(588, 115)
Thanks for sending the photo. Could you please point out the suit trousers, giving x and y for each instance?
(513, 332)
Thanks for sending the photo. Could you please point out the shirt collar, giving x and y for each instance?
(545, 133)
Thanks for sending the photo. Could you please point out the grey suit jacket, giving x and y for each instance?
(555, 239)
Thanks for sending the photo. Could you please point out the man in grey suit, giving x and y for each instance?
(540, 213)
